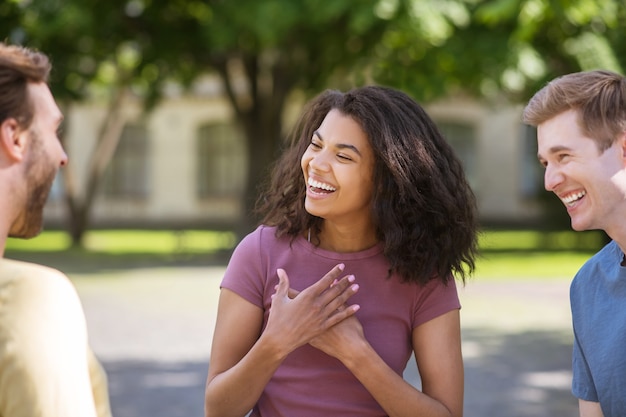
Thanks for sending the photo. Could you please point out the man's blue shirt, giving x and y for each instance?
(598, 302)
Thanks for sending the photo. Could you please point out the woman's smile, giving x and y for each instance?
(318, 187)
(338, 163)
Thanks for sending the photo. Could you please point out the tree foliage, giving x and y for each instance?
(267, 51)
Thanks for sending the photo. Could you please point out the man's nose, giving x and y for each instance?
(552, 178)
(64, 158)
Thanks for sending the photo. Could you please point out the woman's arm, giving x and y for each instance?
(437, 346)
(234, 385)
(243, 360)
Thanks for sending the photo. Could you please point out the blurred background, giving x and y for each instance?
(176, 109)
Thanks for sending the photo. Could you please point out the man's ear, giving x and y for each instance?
(12, 139)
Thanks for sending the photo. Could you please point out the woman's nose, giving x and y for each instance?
(319, 162)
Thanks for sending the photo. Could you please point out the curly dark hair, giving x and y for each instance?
(423, 208)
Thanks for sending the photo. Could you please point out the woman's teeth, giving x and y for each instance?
(320, 185)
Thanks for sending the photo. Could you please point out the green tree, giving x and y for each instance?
(524, 44)
(430, 48)
(94, 57)
(269, 51)
(271, 48)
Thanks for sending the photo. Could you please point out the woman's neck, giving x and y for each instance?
(346, 239)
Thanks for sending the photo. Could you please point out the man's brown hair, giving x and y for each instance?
(18, 67)
(599, 97)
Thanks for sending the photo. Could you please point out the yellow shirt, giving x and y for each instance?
(46, 366)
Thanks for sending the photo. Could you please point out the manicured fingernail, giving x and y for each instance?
(351, 278)
(341, 267)
(355, 287)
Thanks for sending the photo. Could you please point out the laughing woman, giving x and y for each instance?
(368, 221)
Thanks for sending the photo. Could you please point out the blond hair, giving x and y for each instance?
(599, 97)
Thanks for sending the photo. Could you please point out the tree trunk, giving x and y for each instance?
(79, 203)
(260, 114)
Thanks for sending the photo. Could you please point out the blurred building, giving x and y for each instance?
(184, 164)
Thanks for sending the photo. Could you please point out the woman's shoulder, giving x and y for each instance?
(263, 237)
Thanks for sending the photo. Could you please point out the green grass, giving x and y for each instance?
(505, 254)
(131, 241)
(530, 265)
(519, 240)
(534, 254)
(47, 241)
(114, 250)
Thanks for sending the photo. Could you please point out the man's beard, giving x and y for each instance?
(40, 176)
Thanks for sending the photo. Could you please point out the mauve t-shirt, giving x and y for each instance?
(310, 383)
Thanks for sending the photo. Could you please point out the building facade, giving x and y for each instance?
(184, 163)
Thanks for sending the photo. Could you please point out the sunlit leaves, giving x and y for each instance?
(430, 46)
(495, 12)
(536, 40)
(386, 9)
(584, 12)
(592, 52)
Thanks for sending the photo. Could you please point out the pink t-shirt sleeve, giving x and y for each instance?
(435, 299)
(245, 274)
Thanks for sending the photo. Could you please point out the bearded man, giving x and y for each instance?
(47, 368)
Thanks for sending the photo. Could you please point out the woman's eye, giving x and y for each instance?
(344, 157)
(316, 145)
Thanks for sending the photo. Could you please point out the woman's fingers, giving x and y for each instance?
(339, 293)
(282, 289)
(300, 316)
(327, 280)
(328, 296)
(332, 300)
(341, 314)
(340, 301)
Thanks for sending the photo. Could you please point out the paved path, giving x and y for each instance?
(152, 328)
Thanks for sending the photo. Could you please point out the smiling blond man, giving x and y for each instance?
(581, 137)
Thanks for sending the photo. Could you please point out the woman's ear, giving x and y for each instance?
(12, 139)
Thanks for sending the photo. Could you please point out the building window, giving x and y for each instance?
(222, 162)
(532, 173)
(462, 137)
(127, 173)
